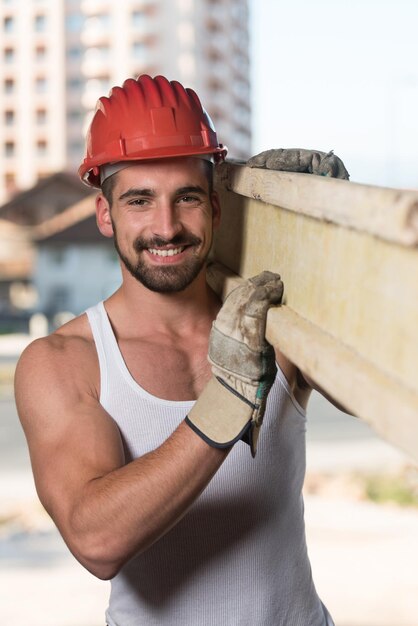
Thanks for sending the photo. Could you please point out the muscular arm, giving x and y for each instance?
(106, 510)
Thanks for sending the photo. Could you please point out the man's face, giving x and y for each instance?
(163, 215)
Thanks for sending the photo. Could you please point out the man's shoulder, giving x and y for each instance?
(55, 375)
(70, 346)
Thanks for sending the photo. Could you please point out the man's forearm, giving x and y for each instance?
(127, 510)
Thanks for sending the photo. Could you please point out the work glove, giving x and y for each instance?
(300, 160)
(231, 406)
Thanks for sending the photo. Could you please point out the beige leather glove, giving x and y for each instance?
(231, 406)
(301, 160)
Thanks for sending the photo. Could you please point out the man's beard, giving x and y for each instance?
(164, 278)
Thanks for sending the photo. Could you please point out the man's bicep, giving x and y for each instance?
(71, 438)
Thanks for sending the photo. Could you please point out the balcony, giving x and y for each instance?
(95, 88)
(93, 7)
(97, 31)
(96, 61)
(218, 71)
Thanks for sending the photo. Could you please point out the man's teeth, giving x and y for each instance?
(170, 252)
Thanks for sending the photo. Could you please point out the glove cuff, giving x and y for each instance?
(220, 415)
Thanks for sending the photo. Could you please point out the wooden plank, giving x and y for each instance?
(391, 214)
(351, 294)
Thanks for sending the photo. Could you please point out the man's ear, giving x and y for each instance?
(103, 219)
(216, 210)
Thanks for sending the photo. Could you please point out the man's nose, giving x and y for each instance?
(166, 221)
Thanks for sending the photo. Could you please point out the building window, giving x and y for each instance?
(41, 147)
(138, 49)
(59, 298)
(8, 24)
(239, 12)
(9, 118)
(40, 116)
(214, 84)
(40, 84)
(10, 181)
(40, 53)
(102, 20)
(9, 85)
(76, 147)
(74, 83)
(40, 23)
(8, 55)
(138, 19)
(58, 255)
(74, 52)
(74, 115)
(9, 148)
(74, 22)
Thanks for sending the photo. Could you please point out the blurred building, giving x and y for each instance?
(58, 56)
(39, 265)
(75, 265)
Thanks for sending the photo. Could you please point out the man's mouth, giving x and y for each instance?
(166, 252)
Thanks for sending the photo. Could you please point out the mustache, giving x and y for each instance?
(182, 239)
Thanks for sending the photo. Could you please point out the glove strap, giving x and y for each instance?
(220, 416)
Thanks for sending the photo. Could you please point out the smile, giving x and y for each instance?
(170, 252)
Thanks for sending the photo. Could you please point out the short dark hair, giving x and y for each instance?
(109, 183)
(107, 188)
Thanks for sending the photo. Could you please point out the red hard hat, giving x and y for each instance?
(147, 118)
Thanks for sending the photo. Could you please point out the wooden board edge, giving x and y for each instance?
(387, 405)
(390, 214)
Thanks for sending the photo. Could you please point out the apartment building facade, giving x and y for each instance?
(58, 56)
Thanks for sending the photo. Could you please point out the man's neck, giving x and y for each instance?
(178, 312)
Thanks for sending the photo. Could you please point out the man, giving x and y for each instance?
(148, 486)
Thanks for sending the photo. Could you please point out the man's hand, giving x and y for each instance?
(301, 160)
(232, 405)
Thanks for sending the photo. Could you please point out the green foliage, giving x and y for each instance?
(401, 490)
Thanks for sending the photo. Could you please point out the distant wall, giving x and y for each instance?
(74, 277)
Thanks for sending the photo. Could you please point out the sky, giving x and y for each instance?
(340, 75)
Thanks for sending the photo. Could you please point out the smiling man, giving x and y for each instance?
(143, 415)
(167, 253)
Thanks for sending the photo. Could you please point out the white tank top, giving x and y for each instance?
(239, 557)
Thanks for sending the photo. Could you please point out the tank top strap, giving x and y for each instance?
(104, 340)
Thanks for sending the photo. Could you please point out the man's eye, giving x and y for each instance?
(188, 199)
(138, 202)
